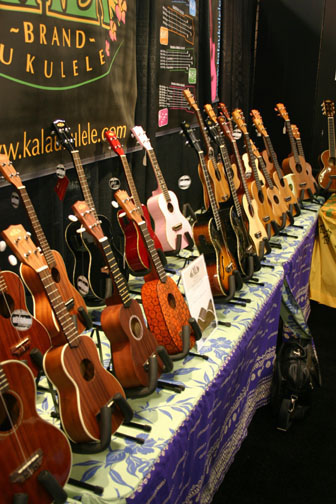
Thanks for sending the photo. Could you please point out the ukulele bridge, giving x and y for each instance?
(21, 347)
(178, 227)
(22, 473)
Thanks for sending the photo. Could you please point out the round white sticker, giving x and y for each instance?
(114, 183)
(184, 182)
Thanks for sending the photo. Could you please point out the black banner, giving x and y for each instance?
(71, 60)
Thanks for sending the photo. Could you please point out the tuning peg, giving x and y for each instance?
(3, 246)
(80, 230)
(72, 218)
(12, 260)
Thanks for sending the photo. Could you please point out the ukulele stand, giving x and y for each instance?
(187, 209)
(37, 358)
(178, 244)
(50, 485)
(276, 227)
(250, 268)
(264, 248)
(288, 235)
(84, 317)
(105, 427)
(185, 336)
(290, 217)
(297, 209)
(232, 290)
(283, 221)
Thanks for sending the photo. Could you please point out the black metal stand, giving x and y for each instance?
(50, 484)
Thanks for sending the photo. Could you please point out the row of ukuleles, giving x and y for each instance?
(92, 402)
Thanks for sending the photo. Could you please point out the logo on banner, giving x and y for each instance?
(56, 45)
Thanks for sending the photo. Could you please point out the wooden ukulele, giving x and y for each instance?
(294, 163)
(312, 184)
(327, 176)
(210, 234)
(84, 387)
(30, 446)
(279, 206)
(218, 180)
(132, 344)
(245, 246)
(165, 308)
(273, 166)
(136, 253)
(70, 296)
(171, 226)
(255, 227)
(22, 335)
(257, 190)
(87, 262)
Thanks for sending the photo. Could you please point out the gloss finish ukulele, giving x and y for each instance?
(30, 446)
(327, 176)
(84, 387)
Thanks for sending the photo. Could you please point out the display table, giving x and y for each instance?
(196, 433)
(322, 281)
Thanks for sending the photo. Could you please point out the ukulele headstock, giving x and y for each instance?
(63, 132)
(189, 133)
(190, 99)
(24, 248)
(8, 171)
(87, 217)
(258, 122)
(127, 204)
(239, 119)
(282, 112)
(328, 108)
(141, 137)
(113, 140)
(296, 132)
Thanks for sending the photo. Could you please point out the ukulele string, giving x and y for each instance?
(24, 456)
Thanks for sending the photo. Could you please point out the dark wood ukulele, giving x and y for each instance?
(132, 344)
(210, 234)
(70, 296)
(327, 176)
(84, 387)
(22, 335)
(165, 308)
(136, 253)
(30, 446)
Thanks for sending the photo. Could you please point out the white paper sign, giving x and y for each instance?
(199, 297)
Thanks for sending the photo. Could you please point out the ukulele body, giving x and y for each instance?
(131, 343)
(42, 307)
(84, 387)
(327, 175)
(209, 243)
(166, 312)
(136, 253)
(38, 438)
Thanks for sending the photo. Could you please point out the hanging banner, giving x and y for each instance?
(71, 60)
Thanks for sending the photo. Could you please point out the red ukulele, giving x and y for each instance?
(135, 249)
(21, 334)
(132, 344)
(30, 446)
(84, 387)
(165, 308)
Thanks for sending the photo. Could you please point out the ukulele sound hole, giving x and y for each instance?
(298, 168)
(55, 275)
(87, 369)
(6, 305)
(13, 408)
(171, 301)
(276, 199)
(170, 208)
(136, 327)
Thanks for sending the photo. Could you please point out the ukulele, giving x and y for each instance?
(84, 387)
(312, 184)
(279, 207)
(220, 185)
(327, 175)
(132, 344)
(70, 296)
(136, 253)
(257, 190)
(171, 227)
(30, 446)
(245, 246)
(210, 234)
(294, 163)
(22, 335)
(87, 266)
(255, 227)
(165, 308)
(272, 164)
